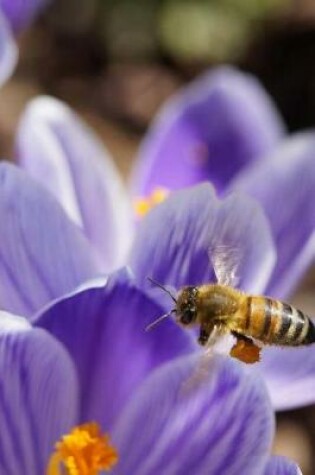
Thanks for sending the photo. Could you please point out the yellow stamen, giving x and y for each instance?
(84, 451)
(143, 205)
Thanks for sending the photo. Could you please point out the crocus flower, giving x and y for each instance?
(83, 365)
(242, 147)
(177, 234)
(209, 131)
(225, 129)
(14, 17)
(20, 14)
(223, 425)
(64, 154)
(49, 143)
(171, 244)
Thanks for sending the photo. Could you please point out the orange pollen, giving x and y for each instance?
(84, 451)
(246, 351)
(143, 205)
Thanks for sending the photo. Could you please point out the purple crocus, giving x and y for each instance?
(171, 243)
(85, 357)
(21, 13)
(244, 148)
(70, 161)
(224, 128)
(15, 15)
(212, 129)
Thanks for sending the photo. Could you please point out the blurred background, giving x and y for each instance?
(117, 61)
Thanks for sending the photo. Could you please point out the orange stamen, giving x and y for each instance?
(84, 451)
(143, 205)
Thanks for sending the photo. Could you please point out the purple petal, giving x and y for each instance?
(8, 50)
(217, 423)
(289, 374)
(52, 141)
(284, 184)
(282, 466)
(38, 396)
(20, 13)
(201, 135)
(173, 241)
(103, 328)
(42, 254)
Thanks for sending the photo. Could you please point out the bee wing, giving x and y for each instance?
(226, 261)
(206, 360)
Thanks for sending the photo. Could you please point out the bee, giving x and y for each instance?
(220, 308)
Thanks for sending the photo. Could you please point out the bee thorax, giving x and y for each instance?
(217, 301)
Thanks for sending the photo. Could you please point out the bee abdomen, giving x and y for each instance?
(310, 335)
(275, 322)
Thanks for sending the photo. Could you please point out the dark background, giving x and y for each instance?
(116, 61)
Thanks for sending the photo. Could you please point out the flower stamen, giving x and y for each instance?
(84, 451)
(143, 205)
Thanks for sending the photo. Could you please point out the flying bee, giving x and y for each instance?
(220, 309)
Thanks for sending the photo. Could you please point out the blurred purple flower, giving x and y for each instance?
(212, 129)
(8, 50)
(172, 242)
(20, 13)
(53, 142)
(15, 15)
(281, 466)
(224, 128)
(86, 357)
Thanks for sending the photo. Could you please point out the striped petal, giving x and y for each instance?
(201, 135)
(289, 375)
(42, 254)
(282, 466)
(52, 141)
(284, 185)
(103, 328)
(218, 422)
(38, 396)
(174, 240)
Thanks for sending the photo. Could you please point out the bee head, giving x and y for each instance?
(186, 306)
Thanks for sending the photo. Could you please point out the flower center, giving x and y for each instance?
(143, 205)
(84, 451)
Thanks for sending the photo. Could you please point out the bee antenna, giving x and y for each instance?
(154, 282)
(158, 320)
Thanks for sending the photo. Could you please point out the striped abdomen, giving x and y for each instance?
(275, 322)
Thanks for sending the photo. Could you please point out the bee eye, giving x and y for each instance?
(188, 316)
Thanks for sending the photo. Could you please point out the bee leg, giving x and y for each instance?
(239, 336)
(245, 349)
(205, 334)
